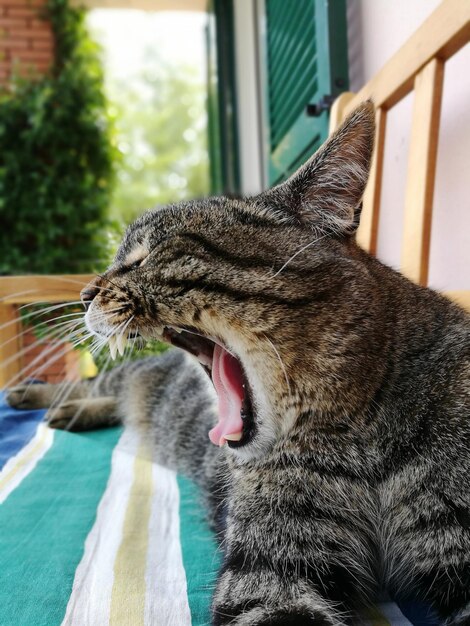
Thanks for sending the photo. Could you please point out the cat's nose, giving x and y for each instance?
(87, 295)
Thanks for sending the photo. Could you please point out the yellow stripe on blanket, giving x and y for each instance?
(19, 466)
(128, 594)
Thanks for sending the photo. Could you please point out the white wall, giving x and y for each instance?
(248, 94)
(377, 29)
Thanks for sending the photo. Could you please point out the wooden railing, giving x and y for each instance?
(419, 66)
(18, 290)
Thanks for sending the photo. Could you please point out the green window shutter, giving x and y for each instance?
(306, 59)
(221, 99)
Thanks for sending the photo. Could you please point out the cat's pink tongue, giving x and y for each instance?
(228, 382)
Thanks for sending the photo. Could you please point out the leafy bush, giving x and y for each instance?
(56, 158)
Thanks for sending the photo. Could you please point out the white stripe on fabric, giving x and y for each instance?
(166, 599)
(90, 600)
(19, 466)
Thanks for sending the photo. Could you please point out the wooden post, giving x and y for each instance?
(369, 226)
(337, 110)
(421, 171)
(10, 343)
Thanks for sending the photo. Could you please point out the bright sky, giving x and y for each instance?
(125, 34)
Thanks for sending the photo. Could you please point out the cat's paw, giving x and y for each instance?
(271, 616)
(28, 397)
(64, 417)
(74, 415)
(461, 618)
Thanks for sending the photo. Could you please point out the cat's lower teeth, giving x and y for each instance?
(233, 437)
(204, 360)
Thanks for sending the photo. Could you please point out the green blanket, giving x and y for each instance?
(94, 534)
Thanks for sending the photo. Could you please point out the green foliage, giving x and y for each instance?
(162, 136)
(56, 158)
(104, 362)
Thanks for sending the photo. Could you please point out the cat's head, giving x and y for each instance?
(267, 292)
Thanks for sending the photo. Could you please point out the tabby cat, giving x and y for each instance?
(341, 462)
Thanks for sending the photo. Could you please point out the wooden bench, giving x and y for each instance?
(419, 66)
(18, 290)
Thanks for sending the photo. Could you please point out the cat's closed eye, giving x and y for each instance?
(134, 260)
(135, 264)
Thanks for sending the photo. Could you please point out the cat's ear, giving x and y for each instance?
(325, 194)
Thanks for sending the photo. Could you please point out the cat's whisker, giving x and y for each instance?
(40, 356)
(110, 282)
(81, 336)
(122, 339)
(31, 315)
(23, 332)
(59, 354)
(37, 361)
(281, 363)
(296, 254)
(67, 324)
(75, 417)
(117, 340)
(52, 307)
(99, 341)
(97, 348)
(68, 280)
(132, 344)
(53, 335)
(91, 394)
(58, 341)
(27, 292)
(73, 323)
(18, 294)
(60, 390)
(112, 341)
(52, 322)
(104, 315)
(101, 288)
(67, 388)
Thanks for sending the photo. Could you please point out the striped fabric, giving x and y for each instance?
(92, 533)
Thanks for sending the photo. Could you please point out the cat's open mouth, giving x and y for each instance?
(236, 423)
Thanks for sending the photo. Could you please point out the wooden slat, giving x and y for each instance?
(421, 171)
(369, 225)
(460, 297)
(27, 289)
(10, 343)
(337, 113)
(445, 31)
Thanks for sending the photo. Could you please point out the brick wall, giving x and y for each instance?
(26, 41)
(37, 355)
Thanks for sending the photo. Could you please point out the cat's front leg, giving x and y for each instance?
(298, 549)
(426, 526)
(264, 598)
